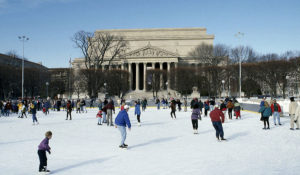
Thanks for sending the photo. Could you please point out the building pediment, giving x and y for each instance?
(150, 52)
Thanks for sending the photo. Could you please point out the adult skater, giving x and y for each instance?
(185, 105)
(292, 111)
(173, 108)
(206, 107)
(276, 109)
(121, 121)
(230, 107)
(137, 112)
(267, 112)
(110, 108)
(157, 102)
(297, 117)
(43, 147)
(196, 114)
(144, 104)
(33, 112)
(69, 110)
(217, 118)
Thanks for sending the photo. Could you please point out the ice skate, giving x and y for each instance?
(139, 124)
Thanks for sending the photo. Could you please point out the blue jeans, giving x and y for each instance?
(211, 108)
(122, 130)
(158, 106)
(34, 118)
(99, 120)
(219, 129)
(276, 115)
(104, 117)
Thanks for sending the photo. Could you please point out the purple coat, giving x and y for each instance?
(196, 113)
(44, 145)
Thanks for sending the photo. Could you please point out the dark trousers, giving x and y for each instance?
(43, 159)
(266, 121)
(69, 113)
(219, 129)
(205, 112)
(173, 112)
(138, 118)
(230, 113)
(23, 113)
(195, 123)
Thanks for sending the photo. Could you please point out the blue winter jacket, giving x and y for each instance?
(267, 112)
(137, 110)
(262, 103)
(122, 119)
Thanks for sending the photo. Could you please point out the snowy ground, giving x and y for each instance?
(160, 146)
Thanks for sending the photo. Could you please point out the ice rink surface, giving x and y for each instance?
(160, 146)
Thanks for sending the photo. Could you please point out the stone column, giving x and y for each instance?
(137, 76)
(122, 66)
(130, 76)
(176, 65)
(169, 83)
(161, 76)
(145, 81)
(153, 65)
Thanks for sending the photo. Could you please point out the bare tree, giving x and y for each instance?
(245, 53)
(96, 49)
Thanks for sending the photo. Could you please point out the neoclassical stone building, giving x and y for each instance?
(154, 49)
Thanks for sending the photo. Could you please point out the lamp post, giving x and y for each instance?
(239, 36)
(47, 84)
(223, 82)
(167, 88)
(23, 39)
(105, 90)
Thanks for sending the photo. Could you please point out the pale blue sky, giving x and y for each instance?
(269, 25)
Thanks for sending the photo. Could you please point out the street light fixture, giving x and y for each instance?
(23, 39)
(47, 84)
(239, 36)
(223, 82)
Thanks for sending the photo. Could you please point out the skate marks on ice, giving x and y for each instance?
(79, 164)
(159, 140)
(236, 135)
(18, 141)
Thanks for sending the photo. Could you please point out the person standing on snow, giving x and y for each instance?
(217, 118)
(43, 147)
(121, 121)
(69, 110)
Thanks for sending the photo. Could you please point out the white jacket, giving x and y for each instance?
(297, 113)
(292, 107)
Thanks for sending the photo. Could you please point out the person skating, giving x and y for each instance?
(178, 102)
(69, 110)
(99, 116)
(173, 109)
(223, 108)
(230, 107)
(185, 105)
(157, 102)
(33, 112)
(206, 107)
(110, 109)
(137, 112)
(297, 117)
(276, 109)
(42, 148)
(292, 111)
(267, 112)
(23, 111)
(144, 104)
(217, 118)
(20, 106)
(237, 109)
(121, 121)
(196, 114)
(78, 106)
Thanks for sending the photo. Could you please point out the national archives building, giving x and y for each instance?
(163, 49)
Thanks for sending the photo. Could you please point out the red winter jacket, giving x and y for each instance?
(216, 115)
(278, 106)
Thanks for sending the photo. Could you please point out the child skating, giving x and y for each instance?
(137, 112)
(196, 114)
(99, 116)
(43, 147)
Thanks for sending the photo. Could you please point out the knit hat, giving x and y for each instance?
(126, 107)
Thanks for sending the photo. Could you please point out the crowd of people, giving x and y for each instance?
(218, 111)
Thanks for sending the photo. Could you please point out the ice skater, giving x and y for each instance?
(99, 116)
(137, 112)
(43, 147)
(69, 110)
(196, 114)
(217, 118)
(33, 112)
(276, 110)
(173, 108)
(121, 121)
(266, 113)
(292, 111)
